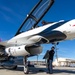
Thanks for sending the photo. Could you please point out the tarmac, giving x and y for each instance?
(39, 70)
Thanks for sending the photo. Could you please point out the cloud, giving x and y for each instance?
(9, 14)
(6, 8)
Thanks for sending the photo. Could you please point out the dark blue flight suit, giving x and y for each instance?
(50, 60)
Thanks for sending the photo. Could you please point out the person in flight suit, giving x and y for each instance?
(50, 59)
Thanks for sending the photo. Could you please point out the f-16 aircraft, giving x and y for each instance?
(29, 37)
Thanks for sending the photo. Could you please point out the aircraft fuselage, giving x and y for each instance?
(64, 30)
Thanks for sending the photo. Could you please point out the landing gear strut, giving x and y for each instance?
(26, 70)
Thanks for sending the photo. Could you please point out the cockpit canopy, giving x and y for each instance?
(36, 14)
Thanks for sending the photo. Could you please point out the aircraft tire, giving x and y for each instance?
(11, 67)
(26, 70)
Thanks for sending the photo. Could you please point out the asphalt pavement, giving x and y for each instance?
(39, 70)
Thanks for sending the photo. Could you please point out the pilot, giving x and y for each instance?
(44, 22)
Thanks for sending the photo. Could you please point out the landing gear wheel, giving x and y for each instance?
(26, 70)
(10, 67)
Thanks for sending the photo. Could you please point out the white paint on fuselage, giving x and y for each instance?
(25, 36)
(66, 28)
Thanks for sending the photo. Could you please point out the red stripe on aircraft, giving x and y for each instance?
(74, 25)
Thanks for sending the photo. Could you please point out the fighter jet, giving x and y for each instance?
(29, 37)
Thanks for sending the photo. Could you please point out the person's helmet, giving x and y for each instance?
(52, 47)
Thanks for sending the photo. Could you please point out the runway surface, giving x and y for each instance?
(40, 70)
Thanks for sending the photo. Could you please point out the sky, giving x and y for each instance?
(13, 13)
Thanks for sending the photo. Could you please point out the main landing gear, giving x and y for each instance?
(26, 69)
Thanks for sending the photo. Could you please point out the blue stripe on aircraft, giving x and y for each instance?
(48, 30)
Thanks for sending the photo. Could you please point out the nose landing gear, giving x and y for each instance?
(26, 69)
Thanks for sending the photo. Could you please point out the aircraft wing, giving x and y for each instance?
(4, 43)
